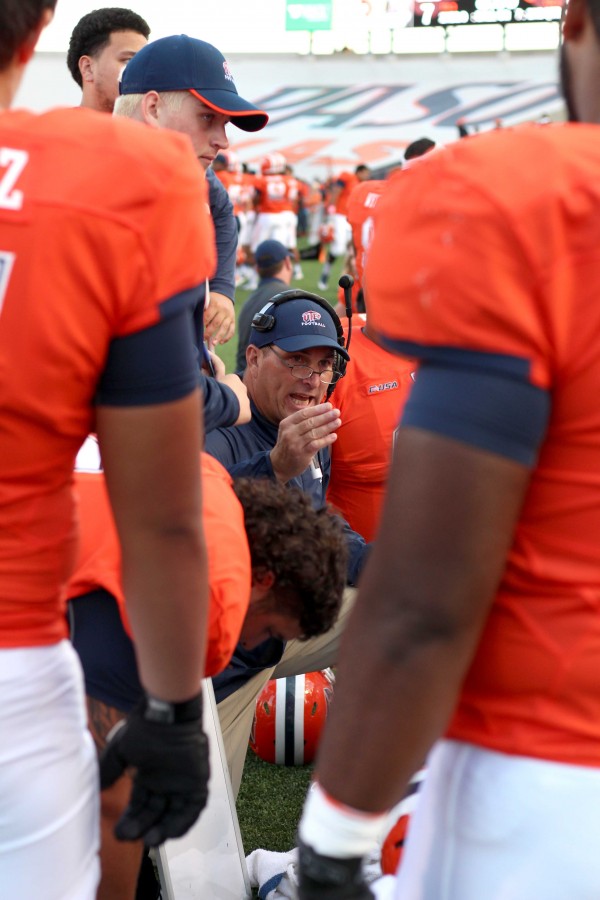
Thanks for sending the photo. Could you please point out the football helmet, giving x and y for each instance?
(289, 718)
(273, 164)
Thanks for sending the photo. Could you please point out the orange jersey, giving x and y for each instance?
(344, 184)
(229, 573)
(370, 398)
(502, 258)
(240, 187)
(85, 257)
(361, 205)
(276, 193)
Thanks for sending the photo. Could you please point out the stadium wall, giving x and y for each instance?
(330, 113)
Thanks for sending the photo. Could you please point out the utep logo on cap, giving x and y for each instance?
(312, 317)
(227, 71)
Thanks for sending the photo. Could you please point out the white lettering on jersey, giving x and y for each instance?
(13, 161)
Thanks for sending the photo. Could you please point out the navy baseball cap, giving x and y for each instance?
(182, 63)
(299, 325)
(270, 252)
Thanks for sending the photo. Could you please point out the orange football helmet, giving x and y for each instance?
(273, 164)
(289, 718)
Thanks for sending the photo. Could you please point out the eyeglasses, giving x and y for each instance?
(327, 376)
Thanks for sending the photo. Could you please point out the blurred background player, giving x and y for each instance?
(336, 217)
(419, 148)
(276, 567)
(276, 202)
(240, 187)
(275, 269)
(361, 207)
(370, 399)
(477, 617)
(95, 330)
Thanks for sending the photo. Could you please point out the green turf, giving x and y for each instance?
(269, 804)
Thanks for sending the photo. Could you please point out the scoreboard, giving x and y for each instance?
(484, 12)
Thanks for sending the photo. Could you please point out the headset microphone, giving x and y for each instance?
(346, 282)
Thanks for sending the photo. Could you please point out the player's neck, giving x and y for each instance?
(10, 79)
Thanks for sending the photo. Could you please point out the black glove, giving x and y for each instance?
(330, 878)
(165, 743)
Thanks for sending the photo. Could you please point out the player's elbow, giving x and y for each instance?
(414, 625)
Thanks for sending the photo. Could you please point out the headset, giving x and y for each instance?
(265, 321)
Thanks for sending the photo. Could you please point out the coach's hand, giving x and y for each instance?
(301, 436)
(330, 878)
(165, 745)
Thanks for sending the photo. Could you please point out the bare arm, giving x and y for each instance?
(151, 457)
(447, 526)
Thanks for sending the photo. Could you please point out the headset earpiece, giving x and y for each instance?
(263, 322)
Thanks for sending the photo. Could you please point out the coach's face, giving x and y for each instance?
(273, 388)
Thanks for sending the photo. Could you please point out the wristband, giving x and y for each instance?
(166, 713)
(333, 829)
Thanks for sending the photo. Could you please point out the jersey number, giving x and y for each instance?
(12, 162)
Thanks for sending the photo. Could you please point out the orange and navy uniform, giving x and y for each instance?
(98, 564)
(342, 186)
(276, 193)
(370, 398)
(86, 265)
(498, 285)
(240, 187)
(361, 205)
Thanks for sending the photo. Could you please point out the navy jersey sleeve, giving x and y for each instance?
(221, 406)
(221, 210)
(488, 408)
(223, 281)
(156, 365)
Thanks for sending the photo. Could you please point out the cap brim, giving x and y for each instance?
(241, 112)
(305, 343)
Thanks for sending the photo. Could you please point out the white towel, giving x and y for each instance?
(274, 874)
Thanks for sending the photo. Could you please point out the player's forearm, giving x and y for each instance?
(391, 705)
(166, 587)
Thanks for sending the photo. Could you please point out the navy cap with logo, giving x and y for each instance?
(299, 325)
(270, 252)
(182, 63)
